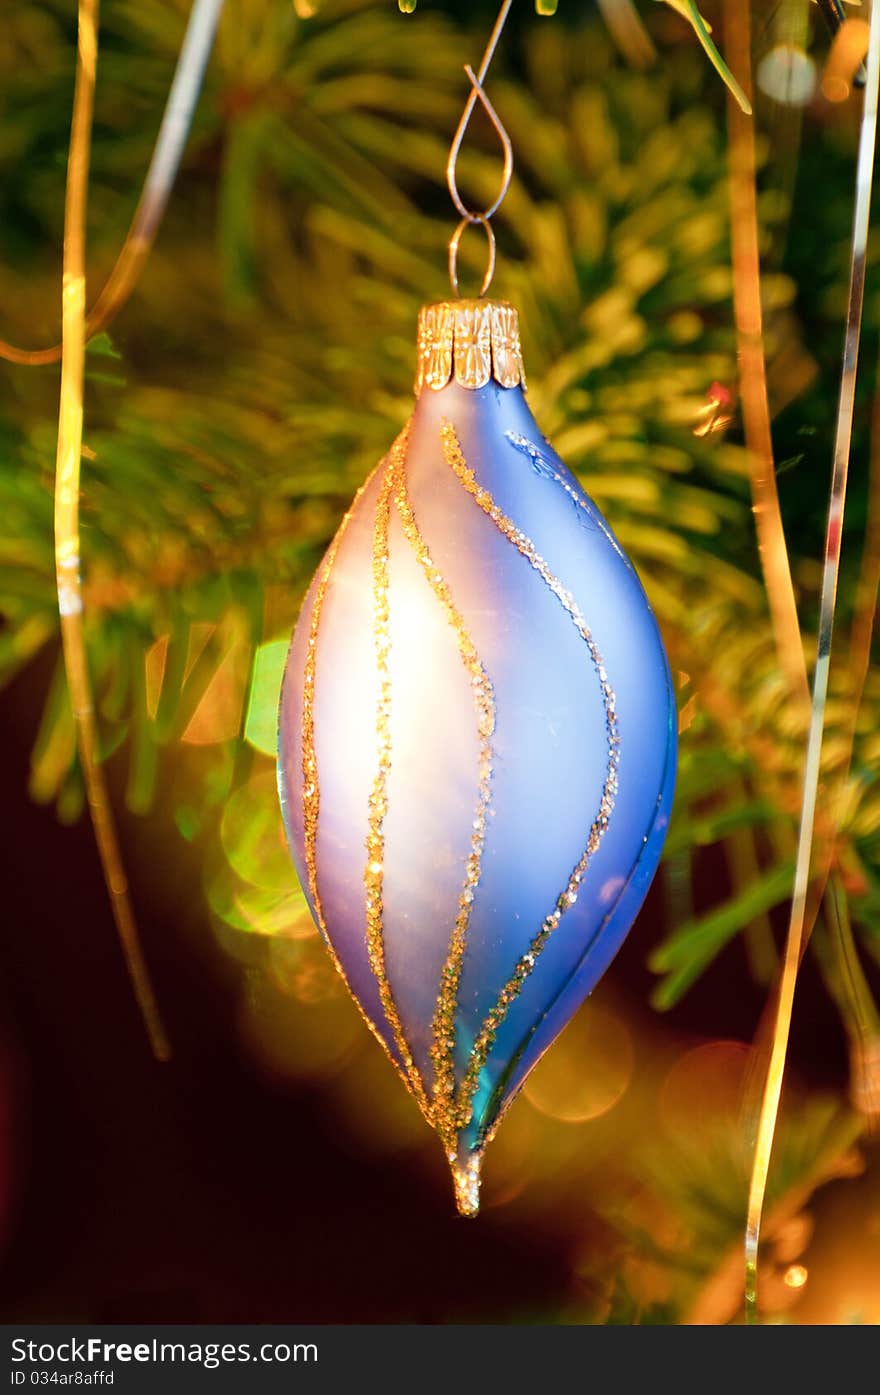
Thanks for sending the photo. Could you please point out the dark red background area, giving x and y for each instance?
(204, 1191)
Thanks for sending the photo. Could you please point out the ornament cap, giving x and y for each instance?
(473, 342)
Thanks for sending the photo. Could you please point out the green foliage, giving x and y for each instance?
(265, 362)
(687, 8)
(703, 31)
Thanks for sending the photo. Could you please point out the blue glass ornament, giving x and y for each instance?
(477, 739)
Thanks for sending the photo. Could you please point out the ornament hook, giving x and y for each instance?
(471, 219)
(468, 215)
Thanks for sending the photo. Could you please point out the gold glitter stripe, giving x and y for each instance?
(443, 1026)
(374, 871)
(455, 459)
(311, 792)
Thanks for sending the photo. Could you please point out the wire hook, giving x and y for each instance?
(468, 215)
(471, 220)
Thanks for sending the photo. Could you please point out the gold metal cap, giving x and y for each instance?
(472, 341)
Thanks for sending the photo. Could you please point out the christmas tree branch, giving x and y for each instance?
(185, 87)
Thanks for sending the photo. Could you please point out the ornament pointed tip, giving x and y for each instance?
(466, 1179)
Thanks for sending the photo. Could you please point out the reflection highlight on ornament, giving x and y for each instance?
(443, 1025)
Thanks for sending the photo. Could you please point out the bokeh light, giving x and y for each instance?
(311, 1043)
(705, 1086)
(788, 75)
(587, 1072)
(847, 52)
(261, 719)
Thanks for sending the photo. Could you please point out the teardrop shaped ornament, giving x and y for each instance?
(477, 740)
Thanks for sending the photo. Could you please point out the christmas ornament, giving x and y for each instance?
(477, 738)
(477, 732)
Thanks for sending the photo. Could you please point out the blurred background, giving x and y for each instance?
(276, 1170)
